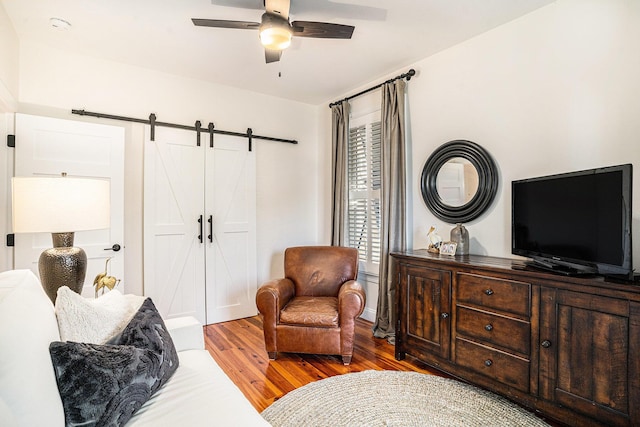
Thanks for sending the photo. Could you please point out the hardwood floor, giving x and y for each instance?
(238, 347)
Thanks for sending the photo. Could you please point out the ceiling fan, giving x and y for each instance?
(276, 31)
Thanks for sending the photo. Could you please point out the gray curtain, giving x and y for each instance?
(339, 145)
(393, 203)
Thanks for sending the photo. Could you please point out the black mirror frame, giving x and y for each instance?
(487, 181)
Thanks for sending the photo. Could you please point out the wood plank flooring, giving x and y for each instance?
(238, 347)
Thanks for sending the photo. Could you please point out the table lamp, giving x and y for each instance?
(60, 206)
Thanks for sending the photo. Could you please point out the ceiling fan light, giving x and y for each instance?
(275, 38)
(275, 32)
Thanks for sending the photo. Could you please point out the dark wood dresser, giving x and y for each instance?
(566, 347)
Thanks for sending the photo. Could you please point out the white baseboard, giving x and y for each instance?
(369, 314)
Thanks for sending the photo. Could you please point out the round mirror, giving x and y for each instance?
(459, 181)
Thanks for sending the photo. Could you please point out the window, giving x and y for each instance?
(364, 177)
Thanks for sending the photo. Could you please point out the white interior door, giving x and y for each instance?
(230, 186)
(47, 147)
(451, 184)
(173, 203)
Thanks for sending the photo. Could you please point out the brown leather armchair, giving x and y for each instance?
(314, 307)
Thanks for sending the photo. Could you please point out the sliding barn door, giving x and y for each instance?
(231, 252)
(173, 204)
(200, 248)
(47, 146)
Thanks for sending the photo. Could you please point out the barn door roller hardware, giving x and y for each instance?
(197, 127)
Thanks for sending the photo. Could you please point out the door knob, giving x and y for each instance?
(115, 248)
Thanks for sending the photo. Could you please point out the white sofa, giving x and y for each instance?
(198, 394)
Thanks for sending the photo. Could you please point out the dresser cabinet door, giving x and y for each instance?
(589, 354)
(426, 308)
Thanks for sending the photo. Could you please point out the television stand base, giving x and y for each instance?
(634, 279)
(559, 269)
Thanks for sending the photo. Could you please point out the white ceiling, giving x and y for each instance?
(159, 34)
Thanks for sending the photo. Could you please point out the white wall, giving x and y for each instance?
(554, 91)
(8, 63)
(54, 82)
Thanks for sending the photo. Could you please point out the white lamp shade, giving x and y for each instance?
(60, 205)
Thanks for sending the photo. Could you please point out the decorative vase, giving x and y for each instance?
(62, 265)
(460, 236)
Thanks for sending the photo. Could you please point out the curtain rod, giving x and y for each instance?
(197, 127)
(406, 75)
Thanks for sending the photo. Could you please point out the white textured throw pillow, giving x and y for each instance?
(92, 320)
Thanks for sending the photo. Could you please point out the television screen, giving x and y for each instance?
(578, 222)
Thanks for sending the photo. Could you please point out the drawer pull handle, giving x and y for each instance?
(546, 343)
(488, 362)
(488, 291)
(488, 327)
(444, 315)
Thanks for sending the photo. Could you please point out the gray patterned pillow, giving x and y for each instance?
(104, 385)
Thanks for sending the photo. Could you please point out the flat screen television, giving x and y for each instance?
(575, 223)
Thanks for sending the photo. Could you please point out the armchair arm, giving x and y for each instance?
(351, 301)
(270, 299)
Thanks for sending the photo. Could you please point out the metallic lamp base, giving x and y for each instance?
(62, 265)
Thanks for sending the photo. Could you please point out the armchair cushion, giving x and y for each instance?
(311, 311)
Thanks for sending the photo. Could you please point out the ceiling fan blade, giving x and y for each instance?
(321, 30)
(220, 23)
(271, 55)
(278, 7)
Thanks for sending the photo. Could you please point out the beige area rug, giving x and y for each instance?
(391, 398)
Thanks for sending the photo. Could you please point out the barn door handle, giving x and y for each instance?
(200, 222)
(115, 248)
(210, 221)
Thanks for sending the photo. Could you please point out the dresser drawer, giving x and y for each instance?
(501, 294)
(501, 366)
(507, 332)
